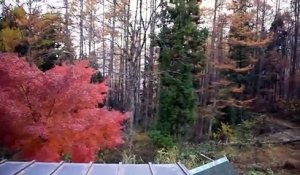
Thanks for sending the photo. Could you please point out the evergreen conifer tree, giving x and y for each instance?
(182, 49)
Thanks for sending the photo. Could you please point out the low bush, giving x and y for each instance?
(161, 140)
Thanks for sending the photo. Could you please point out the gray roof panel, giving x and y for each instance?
(167, 169)
(40, 168)
(220, 166)
(73, 169)
(105, 169)
(135, 169)
(43, 168)
(10, 168)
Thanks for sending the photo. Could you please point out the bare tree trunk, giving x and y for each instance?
(67, 30)
(30, 32)
(263, 18)
(149, 72)
(112, 53)
(30, 7)
(81, 30)
(294, 50)
(132, 76)
(103, 40)
(261, 59)
(145, 98)
(122, 77)
(210, 74)
(137, 68)
(126, 63)
(212, 54)
(91, 26)
(278, 5)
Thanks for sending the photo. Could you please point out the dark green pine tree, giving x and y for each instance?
(182, 49)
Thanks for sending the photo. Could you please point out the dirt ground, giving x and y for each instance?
(282, 157)
(278, 159)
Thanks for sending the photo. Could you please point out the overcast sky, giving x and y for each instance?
(210, 3)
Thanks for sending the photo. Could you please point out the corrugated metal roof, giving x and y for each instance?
(62, 168)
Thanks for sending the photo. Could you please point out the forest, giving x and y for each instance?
(162, 81)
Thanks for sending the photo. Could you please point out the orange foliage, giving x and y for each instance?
(232, 67)
(45, 114)
(238, 89)
(236, 103)
(222, 82)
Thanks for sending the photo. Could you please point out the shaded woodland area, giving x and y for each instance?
(212, 77)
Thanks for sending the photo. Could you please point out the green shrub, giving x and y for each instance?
(245, 130)
(67, 157)
(161, 140)
(260, 172)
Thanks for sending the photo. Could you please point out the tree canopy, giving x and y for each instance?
(47, 114)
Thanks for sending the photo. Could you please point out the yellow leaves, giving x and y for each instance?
(225, 133)
(20, 13)
(10, 38)
(18, 27)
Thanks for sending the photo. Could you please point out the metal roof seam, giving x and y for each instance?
(118, 169)
(151, 169)
(89, 168)
(2, 161)
(22, 169)
(183, 169)
(55, 170)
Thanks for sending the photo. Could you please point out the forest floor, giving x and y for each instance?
(274, 150)
(268, 160)
(277, 152)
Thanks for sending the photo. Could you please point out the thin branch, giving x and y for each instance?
(29, 105)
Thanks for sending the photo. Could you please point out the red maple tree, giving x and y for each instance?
(47, 114)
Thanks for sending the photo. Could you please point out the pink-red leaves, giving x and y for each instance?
(47, 114)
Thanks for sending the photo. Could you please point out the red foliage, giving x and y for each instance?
(45, 114)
